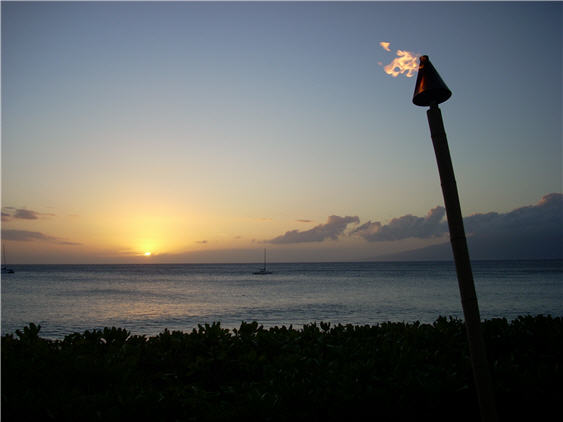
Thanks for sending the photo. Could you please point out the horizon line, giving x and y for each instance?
(292, 262)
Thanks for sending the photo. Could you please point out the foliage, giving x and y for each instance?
(389, 371)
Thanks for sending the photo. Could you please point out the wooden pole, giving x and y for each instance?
(481, 373)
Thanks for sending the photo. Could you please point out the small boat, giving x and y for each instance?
(5, 268)
(263, 270)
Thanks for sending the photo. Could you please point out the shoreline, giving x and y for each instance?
(231, 327)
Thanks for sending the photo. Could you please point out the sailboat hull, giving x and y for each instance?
(262, 272)
(5, 268)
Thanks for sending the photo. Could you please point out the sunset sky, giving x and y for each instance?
(205, 132)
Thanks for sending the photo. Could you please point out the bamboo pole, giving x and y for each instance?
(481, 373)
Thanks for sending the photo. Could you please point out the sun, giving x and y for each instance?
(148, 253)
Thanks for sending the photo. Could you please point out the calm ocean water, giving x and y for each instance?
(145, 299)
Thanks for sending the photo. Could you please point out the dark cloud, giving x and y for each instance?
(304, 221)
(67, 242)
(28, 236)
(531, 232)
(21, 213)
(545, 217)
(407, 226)
(542, 219)
(26, 214)
(333, 228)
(202, 242)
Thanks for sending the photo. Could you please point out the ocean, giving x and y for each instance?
(146, 299)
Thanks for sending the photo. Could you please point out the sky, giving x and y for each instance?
(206, 132)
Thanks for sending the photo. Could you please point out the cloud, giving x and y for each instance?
(21, 213)
(542, 219)
(29, 236)
(201, 242)
(333, 228)
(530, 232)
(407, 226)
(26, 214)
(304, 221)
(385, 45)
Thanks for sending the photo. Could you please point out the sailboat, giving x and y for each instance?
(263, 270)
(5, 269)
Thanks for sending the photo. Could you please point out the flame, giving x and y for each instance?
(405, 63)
(385, 45)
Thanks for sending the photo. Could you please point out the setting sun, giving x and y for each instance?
(148, 253)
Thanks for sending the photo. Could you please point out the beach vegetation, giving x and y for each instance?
(319, 372)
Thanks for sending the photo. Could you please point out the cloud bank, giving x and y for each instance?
(433, 225)
(28, 236)
(9, 213)
(332, 229)
(530, 232)
(543, 218)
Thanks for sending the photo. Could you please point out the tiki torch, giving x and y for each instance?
(430, 90)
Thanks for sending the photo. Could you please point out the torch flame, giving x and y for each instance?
(405, 63)
(385, 45)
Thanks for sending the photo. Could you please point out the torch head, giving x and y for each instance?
(430, 88)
